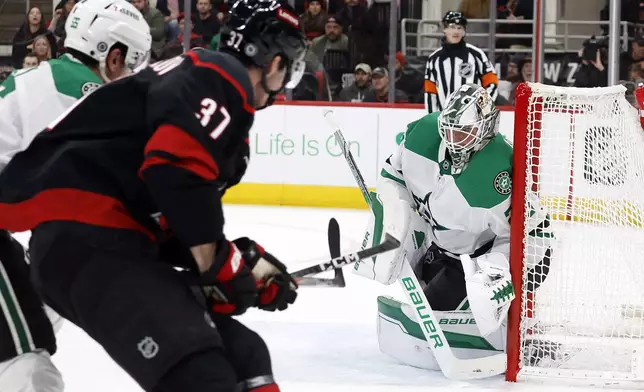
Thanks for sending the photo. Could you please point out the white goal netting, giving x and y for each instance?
(584, 151)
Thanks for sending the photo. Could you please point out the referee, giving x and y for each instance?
(455, 64)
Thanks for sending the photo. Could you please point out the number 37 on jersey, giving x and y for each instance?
(209, 107)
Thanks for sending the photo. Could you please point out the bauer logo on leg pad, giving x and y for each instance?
(417, 302)
(148, 347)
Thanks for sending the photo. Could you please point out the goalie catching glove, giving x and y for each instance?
(244, 275)
(489, 289)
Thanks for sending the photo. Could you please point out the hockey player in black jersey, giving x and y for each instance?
(127, 186)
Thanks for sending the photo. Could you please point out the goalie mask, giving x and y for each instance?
(468, 122)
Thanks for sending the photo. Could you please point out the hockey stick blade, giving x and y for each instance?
(334, 251)
(390, 243)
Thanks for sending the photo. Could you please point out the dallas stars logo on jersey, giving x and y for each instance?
(503, 183)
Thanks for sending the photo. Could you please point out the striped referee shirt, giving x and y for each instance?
(453, 65)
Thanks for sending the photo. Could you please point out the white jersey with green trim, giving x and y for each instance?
(30, 99)
(469, 212)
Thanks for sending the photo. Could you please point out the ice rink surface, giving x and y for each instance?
(325, 342)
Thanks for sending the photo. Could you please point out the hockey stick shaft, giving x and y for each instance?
(388, 244)
(346, 151)
(452, 367)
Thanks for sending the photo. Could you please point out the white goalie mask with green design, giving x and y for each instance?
(468, 122)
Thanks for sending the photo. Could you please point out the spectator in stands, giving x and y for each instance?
(313, 19)
(357, 23)
(380, 82)
(175, 47)
(333, 39)
(525, 68)
(207, 24)
(635, 55)
(42, 48)
(361, 87)
(512, 77)
(513, 74)
(476, 9)
(31, 60)
(591, 73)
(22, 42)
(408, 80)
(519, 70)
(636, 72)
(516, 10)
(155, 20)
(57, 23)
(635, 78)
(170, 11)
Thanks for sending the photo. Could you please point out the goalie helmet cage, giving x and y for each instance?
(581, 151)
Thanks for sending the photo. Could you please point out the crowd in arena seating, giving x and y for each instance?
(348, 54)
(44, 38)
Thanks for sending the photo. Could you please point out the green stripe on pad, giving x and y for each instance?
(392, 309)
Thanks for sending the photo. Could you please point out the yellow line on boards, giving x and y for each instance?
(296, 195)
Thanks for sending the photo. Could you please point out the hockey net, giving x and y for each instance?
(581, 151)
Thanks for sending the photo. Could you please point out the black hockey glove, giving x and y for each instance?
(229, 283)
(277, 289)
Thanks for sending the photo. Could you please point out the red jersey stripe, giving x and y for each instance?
(67, 204)
(196, 61)
(190, 154)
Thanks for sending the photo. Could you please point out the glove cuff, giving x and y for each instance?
(251, 250)
(228, 261)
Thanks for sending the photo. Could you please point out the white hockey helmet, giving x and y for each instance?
(467, 123)
(94, 26)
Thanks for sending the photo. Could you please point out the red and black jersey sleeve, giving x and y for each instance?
(199, 113)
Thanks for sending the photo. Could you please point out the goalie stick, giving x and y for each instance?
(334, 250)
(452, 367)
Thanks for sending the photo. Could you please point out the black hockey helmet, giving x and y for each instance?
(256, 31)
(455, 17)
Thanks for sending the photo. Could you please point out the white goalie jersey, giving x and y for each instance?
(463, 214)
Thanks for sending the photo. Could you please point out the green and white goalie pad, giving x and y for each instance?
(400, 336)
